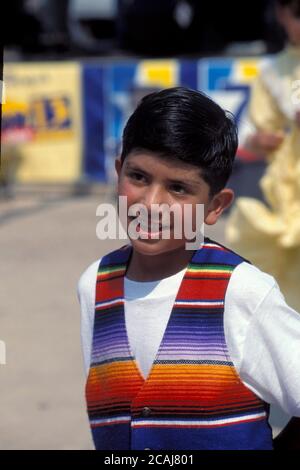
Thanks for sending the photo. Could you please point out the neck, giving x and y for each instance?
(153, 268)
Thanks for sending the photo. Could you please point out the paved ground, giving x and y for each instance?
(46, 242)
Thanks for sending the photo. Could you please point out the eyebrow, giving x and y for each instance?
(134, 167)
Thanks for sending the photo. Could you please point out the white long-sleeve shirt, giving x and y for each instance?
(261, 331)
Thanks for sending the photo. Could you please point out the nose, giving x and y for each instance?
(153, 194)
(157, 201)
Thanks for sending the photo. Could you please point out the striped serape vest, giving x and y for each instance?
(193, 397)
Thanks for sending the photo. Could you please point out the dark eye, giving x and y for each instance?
(135, 175)
(178, 188)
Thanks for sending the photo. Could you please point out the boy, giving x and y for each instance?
(184, 349)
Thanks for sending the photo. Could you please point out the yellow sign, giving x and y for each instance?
(159, 73)
(41, 121)
(247, 70)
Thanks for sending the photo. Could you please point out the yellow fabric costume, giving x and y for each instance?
(270, 236)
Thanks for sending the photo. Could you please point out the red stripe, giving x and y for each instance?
(96, 425)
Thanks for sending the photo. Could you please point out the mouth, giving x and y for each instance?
(148, 227)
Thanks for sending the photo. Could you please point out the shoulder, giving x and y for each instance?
(87, 280)
(248, 286)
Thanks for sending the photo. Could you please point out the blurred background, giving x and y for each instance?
(73, 72)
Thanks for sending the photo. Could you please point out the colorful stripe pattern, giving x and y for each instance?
(193, 390)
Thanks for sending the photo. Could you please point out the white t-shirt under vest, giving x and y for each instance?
(262, 332)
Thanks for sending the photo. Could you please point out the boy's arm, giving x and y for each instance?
(289, 438)
(86, 296)
(265, 345)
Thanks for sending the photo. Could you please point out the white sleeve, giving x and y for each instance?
(86, 290)
(263, 337)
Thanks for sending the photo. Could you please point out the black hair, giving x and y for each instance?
(187, 125)
(293, 5)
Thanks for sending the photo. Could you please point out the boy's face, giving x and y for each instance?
(290, 23)
(146, 178)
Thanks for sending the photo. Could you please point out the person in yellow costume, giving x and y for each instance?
(269, 234)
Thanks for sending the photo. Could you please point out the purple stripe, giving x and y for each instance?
(108, 347)
(187, 347)
(111, 353)
(192, 329)
(112, 334)
(200, 339)
(208, 348)
(108, 344)
(191, 354)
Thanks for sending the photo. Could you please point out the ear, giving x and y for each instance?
(118, 166)
(217, 205)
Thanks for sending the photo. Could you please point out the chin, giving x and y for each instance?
(155, 247)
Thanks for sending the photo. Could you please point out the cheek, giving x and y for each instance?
(190, 217)
(197, 218)
(127, 189)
